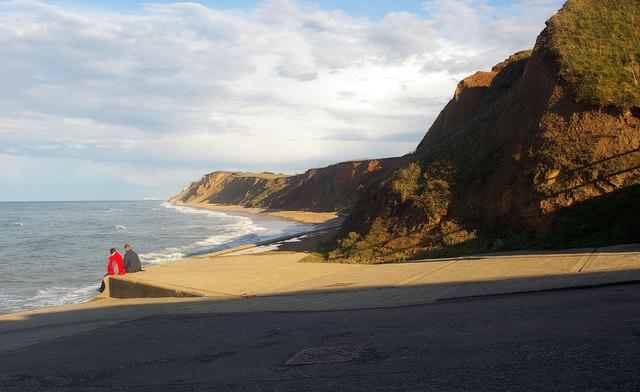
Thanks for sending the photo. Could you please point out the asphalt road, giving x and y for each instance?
(581, 339)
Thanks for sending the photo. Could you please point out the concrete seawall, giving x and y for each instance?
(121, 288)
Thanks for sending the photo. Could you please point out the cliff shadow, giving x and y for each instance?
(608, 219)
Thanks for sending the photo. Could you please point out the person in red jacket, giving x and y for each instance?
(116, 263)
(115, 266)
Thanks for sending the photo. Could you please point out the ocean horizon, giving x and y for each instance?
(55, 252)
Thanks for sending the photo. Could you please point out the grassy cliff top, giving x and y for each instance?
(265, 175)
(598, 44)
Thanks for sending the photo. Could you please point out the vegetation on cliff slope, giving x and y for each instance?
(599, 49)
(415, 198)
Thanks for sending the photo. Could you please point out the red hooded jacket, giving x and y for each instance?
(116, 265)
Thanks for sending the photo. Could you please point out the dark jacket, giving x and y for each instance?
(132, 262)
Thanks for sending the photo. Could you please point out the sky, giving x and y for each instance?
(121, 100)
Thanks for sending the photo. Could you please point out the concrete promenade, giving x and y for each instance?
(282, 278)
(276, 281)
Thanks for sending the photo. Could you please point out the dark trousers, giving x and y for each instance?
(102, 287)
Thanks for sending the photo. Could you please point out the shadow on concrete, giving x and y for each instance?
(333, 297)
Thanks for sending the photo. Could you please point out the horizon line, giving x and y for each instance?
(72, 201)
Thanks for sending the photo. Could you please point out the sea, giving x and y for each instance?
(55, 253)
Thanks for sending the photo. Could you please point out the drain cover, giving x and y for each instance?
(317, 356)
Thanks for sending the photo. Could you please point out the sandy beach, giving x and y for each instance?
(297, 216)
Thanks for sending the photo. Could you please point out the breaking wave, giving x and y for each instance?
(168, 254)
(232, 228)
(48, 296)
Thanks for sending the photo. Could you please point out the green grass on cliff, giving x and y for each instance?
(598, 43)
(265, 175)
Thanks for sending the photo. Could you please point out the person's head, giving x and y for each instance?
(127, 247)
(112, 250)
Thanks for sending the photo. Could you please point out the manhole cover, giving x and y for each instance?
(316, 356)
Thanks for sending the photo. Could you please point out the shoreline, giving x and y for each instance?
(291, 215)
(318, 230)
(322, 222)
(238, 248)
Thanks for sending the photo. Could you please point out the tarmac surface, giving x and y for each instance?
(570, 339)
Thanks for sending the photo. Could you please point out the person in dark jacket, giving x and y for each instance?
(131, 260)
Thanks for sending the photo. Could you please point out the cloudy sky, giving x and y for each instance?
(105, 100)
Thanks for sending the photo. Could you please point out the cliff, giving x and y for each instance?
(332, 188)
(526, 154)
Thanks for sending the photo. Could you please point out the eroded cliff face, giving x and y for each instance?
(332, 188)
(528, 147)
(500, 166)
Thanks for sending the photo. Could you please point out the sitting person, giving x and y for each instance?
(115, 266)
(131, 260)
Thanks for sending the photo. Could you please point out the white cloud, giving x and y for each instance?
(281, 85)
